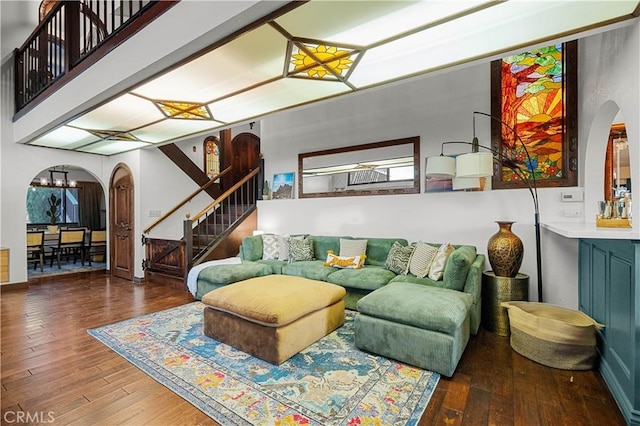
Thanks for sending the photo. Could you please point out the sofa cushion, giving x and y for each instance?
(457, 267)
(424, 307)
(275, 264)
(251, 248)
(378, 249)
(313, 269)
(227, 274)
(367, 278)
(398, 258)
(322, 244)
(274, 300)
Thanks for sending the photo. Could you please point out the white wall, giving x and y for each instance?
(437, 109)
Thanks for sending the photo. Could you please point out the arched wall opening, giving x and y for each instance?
(80, 203)
(597, 141)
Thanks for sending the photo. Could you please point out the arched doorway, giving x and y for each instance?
(121, 215)
(80, 204)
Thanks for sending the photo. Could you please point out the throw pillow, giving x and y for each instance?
(347, 262)
(398, 258)
(270, 246)
(421, 259)
(436, 271)
(352, 248)
(300, 249)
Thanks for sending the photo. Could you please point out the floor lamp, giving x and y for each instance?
(478, 164)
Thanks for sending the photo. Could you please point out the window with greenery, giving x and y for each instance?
(37, 204)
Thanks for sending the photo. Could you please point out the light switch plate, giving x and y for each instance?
(572, 196)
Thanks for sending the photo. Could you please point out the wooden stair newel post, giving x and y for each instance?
(188, 246)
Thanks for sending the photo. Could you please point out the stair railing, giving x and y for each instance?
(186, 200)
(72, 36)
(209, 225)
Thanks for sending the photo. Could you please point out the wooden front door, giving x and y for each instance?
(121, 222)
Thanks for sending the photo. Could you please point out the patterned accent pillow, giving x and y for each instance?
(436, 271)
(351, 248)
(270, 246)
(300, 249)
(398, 258)
(348, 262)
(421, 259)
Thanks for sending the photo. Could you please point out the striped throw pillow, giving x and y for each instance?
(351, 248)
(421, 259)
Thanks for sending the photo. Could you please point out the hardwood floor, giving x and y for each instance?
(52, 371)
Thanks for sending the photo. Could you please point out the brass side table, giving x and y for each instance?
(496, 289)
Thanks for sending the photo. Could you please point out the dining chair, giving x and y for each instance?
(70, 243)
(97, 245)
(35, 248)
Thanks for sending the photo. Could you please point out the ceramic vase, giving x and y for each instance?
(505, 251)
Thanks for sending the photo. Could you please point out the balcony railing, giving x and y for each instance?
(70, 35)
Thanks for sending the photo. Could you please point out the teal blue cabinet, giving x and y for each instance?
(609, 292)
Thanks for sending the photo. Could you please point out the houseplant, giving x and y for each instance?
(53, 211)
(266, 191)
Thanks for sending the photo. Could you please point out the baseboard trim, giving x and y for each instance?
(14, 286)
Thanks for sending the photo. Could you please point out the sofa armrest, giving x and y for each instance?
(473, 283)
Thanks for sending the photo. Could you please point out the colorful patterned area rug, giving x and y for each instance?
(329, 383)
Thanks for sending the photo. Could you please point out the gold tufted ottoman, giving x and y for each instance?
(275, 316)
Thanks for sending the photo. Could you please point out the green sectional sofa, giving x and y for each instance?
(421, 321)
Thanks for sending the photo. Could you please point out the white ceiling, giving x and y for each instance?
(320, 50)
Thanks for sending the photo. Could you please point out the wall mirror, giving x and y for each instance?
(379, 168)
(617, 175)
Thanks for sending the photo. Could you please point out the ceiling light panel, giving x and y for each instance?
(108, 147)
(336, 48)
(499, 29)
(253, 58)
(364, 23)
(274, 96)
(123, 113)
(65, 137)
(170, 129)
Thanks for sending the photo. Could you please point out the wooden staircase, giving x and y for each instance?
(213, 233)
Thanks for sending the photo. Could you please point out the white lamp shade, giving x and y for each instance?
(441, 166)
(460, 183)
(475, 164)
